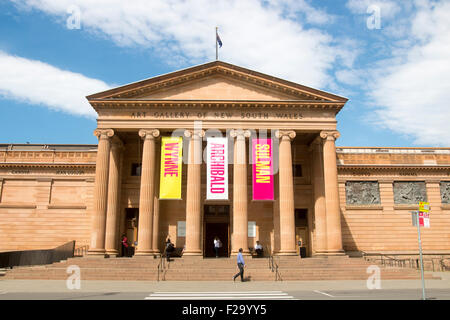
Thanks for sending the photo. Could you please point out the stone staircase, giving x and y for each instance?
(211, 269)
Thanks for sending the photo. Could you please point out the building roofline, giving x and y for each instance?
(130, 86)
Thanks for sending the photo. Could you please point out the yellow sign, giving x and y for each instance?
(171, 163)
(424, 206)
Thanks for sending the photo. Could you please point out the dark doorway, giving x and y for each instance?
(216, 230)
(217, 222)
(302, 232)
(131, 229)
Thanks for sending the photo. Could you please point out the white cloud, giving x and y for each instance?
(39, 83)
(350, 77)
(411, 91)
(258, 34)
(388, 8)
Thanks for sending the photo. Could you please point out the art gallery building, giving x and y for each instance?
(328, 200)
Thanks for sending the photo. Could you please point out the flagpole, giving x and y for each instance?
(217, 49)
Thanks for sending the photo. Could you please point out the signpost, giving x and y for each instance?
(421, 218)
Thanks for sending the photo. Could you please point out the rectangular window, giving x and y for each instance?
(136, 169)
(297, 170)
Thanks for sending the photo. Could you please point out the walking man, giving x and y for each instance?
(241, 266)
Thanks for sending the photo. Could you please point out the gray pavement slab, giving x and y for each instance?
(304, 290)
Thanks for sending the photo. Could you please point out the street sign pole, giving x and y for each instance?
(421, 258)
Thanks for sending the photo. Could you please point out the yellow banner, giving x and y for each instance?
(424, 206)
(171, 163)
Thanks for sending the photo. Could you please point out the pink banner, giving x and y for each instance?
(262, 169)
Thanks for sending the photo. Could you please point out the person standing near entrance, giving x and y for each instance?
(217, 245)
(124, 246)
(241, 266)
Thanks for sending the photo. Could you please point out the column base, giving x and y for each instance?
(286, 253)
(331, 253)
(146, 253)
(244, 253)
(196, 258)
(193, 253)
(113, 253)
(96, 253)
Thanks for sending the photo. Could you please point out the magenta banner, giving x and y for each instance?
(262, 169)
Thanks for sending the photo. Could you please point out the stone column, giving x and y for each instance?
(286, 196)
(240, 217)
(155, 241)
(97, 246)
(333, 214)
(112, 213)
(147, 192)
(320, 217)
(193, 194)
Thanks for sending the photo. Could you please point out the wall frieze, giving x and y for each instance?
(46, 165)
(363, 167)
(133, 103)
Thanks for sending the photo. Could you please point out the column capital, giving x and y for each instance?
(194, 133)
(285, 134)
(149, 133)
(240, 133)
(103, 133)
(330, 135)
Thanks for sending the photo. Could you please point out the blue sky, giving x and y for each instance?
(395, 73)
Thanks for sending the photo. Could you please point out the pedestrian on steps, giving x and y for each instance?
(241, 266)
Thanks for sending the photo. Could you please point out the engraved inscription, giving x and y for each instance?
(362, 192)
(216, 115)
(445, 192)
(409, 192)
(69, 172)
(20, 171)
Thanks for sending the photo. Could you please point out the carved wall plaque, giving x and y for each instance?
(362, 192)
(445, 192)
(409, 192)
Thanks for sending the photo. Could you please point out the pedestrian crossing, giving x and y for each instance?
(220, 295)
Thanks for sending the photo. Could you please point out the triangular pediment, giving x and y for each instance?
(216, 81)
(217, 87)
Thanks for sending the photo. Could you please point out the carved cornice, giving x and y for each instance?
(149, 133)
(99, 105)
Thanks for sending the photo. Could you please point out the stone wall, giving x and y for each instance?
(387, 226)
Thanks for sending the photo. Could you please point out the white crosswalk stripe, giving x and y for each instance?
(222, 295)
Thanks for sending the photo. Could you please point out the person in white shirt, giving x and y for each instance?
(259, 249)
(217, 245)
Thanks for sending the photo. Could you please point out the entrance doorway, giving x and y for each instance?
(301, 232)
(217, 224)
(131, 228)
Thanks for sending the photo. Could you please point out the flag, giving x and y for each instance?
(218, 40)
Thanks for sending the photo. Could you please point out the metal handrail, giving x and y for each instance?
(273, 266)
(161, 267)
(81, 251)
(387, 260)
